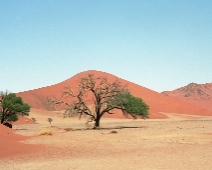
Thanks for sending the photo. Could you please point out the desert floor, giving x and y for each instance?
(180, 142)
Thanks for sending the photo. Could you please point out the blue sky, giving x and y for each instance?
(158, 44)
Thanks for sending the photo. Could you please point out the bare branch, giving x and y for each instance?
(103, 95)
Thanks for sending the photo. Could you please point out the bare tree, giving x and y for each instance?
(103, 95)
(48, 103)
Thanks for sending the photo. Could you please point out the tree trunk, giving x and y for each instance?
(97, 122)
(2, 119)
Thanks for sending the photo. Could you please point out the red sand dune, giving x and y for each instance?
(157, 102)
(196, 94)
(10, 144)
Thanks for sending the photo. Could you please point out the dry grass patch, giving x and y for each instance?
(46, 131)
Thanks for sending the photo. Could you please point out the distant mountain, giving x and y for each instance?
(197, 94)
(157, 102)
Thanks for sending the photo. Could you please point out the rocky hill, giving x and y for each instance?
(197, 94)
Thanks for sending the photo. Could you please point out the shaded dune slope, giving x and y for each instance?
(157, 102)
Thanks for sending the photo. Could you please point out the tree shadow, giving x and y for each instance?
(111, 128)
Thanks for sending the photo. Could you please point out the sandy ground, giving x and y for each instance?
(181, 142)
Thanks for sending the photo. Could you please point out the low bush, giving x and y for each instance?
(46, 132)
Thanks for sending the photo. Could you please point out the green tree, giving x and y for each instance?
(131, 105)
(105, 97)
(11, 106)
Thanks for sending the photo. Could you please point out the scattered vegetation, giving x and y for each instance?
(33, 119)
(69, 129)
(50, 120)
(46, 132)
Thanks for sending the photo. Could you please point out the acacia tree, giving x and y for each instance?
(106, 97)
(10, 106)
